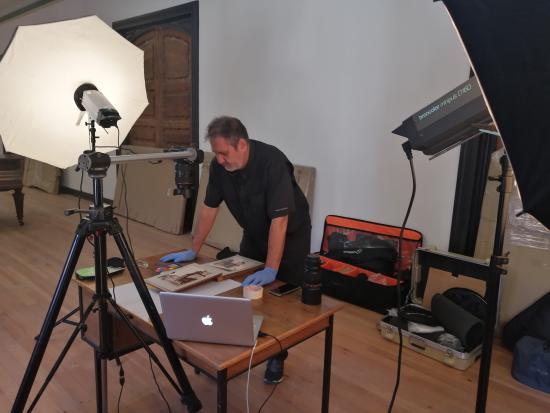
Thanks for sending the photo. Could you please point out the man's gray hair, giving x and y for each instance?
(226, 127)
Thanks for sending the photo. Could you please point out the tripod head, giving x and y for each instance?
(95, 163)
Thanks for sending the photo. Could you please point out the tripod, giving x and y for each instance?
(99, 222)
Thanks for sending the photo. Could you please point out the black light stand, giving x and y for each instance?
(493, 283)
(99, 222)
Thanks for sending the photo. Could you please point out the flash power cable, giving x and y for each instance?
(408, 152)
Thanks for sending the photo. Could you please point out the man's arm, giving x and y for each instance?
(207, 216)
(276, 242)
(275, 248)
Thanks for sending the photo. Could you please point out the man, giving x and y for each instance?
(256, 181)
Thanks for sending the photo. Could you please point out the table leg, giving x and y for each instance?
(18, 198)
(327, 365)
(222, 391)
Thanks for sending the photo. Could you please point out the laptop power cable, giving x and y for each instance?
(248, 375)
(263, 334)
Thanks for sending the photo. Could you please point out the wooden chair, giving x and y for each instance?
(11, 178)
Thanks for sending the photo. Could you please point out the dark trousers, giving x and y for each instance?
(297, 247)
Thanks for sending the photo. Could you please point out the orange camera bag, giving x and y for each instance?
(359, 261)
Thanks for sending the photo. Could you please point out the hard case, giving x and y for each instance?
(453, 263)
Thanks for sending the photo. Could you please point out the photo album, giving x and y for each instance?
(184, 277)
(234, 266)
(193, 274)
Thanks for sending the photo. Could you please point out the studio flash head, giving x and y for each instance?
(89, 99)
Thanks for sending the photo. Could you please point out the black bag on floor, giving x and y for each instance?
(534, 321)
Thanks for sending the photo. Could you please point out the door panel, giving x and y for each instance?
(167, 120)
(169, 39)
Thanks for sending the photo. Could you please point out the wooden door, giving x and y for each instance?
(170, 40)
(167, 121)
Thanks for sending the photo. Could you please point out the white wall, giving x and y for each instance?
(326, 82)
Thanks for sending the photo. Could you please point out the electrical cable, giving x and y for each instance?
(248, 375)
(121, 380)
(158, 387)
(113, 284)
(408, 151)
(145, 345)
(125, 191)
(80, 193)
(262, 334)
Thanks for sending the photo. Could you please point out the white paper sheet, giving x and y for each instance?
(126, 295)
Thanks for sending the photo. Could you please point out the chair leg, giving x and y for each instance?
(18, 198)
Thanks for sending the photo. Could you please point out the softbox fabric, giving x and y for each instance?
(508, 43)
(39, 73)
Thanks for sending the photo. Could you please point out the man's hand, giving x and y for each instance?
(182, 256)
(262, 277)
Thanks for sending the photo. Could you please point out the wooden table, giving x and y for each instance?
(286, 318)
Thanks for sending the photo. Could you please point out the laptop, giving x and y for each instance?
(210, 319)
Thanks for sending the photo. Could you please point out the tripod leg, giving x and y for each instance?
(49, 321)
(188, 396)
(70, 341)
(105, 327)
(100, 364)
(146, 346)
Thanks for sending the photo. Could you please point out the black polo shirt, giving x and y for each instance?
(264, 189)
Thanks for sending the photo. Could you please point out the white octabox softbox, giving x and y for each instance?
(39, 73)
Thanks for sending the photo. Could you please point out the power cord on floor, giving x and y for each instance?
(263, 334)
(408, 151)
(121, 380)
(158, 387)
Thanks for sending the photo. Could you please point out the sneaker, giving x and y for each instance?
(274, 372)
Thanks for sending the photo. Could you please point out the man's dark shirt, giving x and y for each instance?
(264, 189)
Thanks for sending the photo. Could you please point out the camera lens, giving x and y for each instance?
(311, 288)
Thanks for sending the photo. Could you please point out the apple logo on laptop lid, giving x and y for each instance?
(207, 320)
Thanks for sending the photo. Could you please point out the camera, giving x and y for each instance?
(184, 173)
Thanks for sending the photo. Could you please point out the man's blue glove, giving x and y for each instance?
(182, 256)
(262, 277)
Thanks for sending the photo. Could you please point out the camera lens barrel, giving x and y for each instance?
(311, 287)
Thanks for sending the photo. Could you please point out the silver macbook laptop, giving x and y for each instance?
(210, 319)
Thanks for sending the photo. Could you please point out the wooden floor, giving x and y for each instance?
(364, 364)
